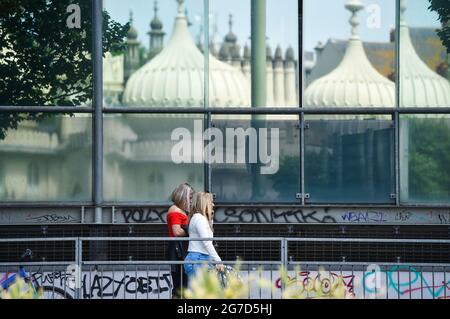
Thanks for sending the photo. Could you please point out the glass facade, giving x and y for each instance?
(47, 159)
(349, 160)
(425, 158)
(356, 95)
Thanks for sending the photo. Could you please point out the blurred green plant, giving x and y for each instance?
(20, 290)
(207, 285)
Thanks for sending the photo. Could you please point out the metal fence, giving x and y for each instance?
(79, 273)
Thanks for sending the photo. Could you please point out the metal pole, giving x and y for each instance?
(97, 55)
(208, 118)
(396, 117)
(258, 75)
(258, 32)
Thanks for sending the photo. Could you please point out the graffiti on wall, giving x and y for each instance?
(109, 285)
(234, 215)
(402, 282)
(298, 216)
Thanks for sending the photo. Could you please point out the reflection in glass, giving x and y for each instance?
(349, 160)
(424, 73)
(45, 53)
(245, 164)
(47, 160)
(161, 65)
(139, 163)
(425, 159)
(230, 42)
(349, 73)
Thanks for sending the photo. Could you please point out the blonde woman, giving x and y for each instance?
(177, 221)
(201, 226)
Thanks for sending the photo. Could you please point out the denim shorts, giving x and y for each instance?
(190, 269)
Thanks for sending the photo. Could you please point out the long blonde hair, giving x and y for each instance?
(182, 196)
(202, 203)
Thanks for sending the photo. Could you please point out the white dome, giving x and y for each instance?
(175, 77)
(355, 82)
(420, 86)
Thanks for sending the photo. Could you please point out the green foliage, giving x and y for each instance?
(42, 61)
(442, 7)
(206, 285)
(429, 158)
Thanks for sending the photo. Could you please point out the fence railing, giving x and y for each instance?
(84, 271)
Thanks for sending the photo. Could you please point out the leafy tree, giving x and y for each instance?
(429, 157)
(442, 7)
(43, 62)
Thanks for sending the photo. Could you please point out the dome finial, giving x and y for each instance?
(403, 7)
(131, 17)
(181, 9)
(155, 8)
(230, 22)
(354, 6)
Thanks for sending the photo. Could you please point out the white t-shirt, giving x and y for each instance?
(199, 228)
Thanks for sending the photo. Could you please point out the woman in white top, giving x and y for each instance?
(200, 226)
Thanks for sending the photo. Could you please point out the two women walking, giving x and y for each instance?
(190, 215)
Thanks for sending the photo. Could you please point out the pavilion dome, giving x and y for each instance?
(175, 77)
(355, 82)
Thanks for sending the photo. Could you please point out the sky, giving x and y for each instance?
(323, 19)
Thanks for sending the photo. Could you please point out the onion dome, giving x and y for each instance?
(156, 24)
(419, 85)
(355, 82)
(175, 77)
(290, 55)
(132, 32)
(231, 37)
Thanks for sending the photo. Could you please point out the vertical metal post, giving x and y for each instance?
(207, 120)
(302, 157)
(258, 75)
(97, 56)
(301, 99)
(79, 263)
(397, 102)
(258, 31)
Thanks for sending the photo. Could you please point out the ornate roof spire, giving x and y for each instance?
(156, 24)
(132, 32)
(354, 6)
(181, 7)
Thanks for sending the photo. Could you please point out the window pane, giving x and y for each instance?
(230, 46)
(349, 62)
(140, 157)
(160, 64)
(349, 160)
(255, 160)
(45, 53)
(424, 73)
(48, 159)
(425, 159)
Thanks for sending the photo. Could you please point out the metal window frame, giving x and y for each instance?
(97, 111)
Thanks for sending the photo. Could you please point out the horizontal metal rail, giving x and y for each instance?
(254, 239)
(371, 240)
(168, 262)
(217, 205)
(231, 110)
(47, 239)
(352, 264)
